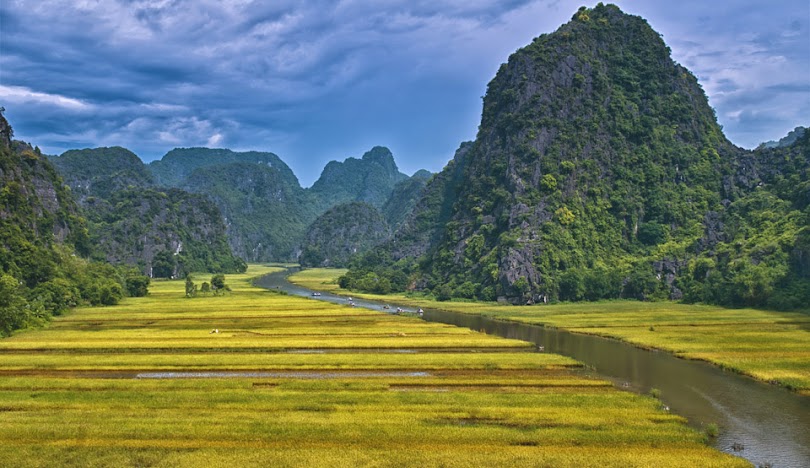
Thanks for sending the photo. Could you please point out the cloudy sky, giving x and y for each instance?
(317, 80)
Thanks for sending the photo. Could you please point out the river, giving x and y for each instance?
(767, 425)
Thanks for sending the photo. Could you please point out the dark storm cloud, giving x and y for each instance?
(318, 80)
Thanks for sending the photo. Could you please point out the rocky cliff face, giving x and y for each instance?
(344, 231)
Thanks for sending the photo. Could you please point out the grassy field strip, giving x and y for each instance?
(767, 345)
(300, 383)
(277, 361)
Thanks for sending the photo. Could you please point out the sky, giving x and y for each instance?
(315, 80)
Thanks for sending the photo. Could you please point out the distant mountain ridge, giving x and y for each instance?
(176, 165)
(266, 210)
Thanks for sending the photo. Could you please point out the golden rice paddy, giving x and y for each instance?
(285, 381)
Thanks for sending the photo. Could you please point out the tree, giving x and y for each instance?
(163, 265)
(191, 288)
(205, 288)
(13, 313)
(442, 292)
(137, 285)
(218, 284)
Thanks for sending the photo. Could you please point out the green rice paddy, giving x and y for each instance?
(769, 346)
(292, 382)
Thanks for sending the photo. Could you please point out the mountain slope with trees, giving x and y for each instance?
(266, 211)
(599, 171)
(343, 231)
(163, 232)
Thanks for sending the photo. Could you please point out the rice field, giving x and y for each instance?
(288, 381)
(769, 346)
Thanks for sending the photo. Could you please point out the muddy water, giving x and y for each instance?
(762, 423)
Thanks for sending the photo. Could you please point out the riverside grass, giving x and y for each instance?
(766, 345)
(316, 385)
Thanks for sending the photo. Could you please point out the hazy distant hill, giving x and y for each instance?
(788, 140)
(599, 171)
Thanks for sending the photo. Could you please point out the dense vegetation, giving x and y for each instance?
(176, 165)
(41, 233)
(343, 231)
(163, 232)
(599, 171)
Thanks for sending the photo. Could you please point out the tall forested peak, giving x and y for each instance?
(179, 163)
(369, 179)
(382, 156)
(599, 171)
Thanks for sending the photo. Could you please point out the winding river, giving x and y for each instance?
(766, 425)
